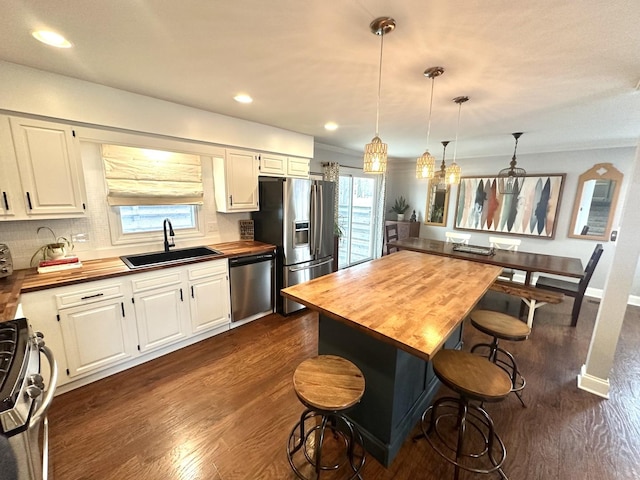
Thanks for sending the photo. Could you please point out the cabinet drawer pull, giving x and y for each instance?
(29, 201)
(6, 201)
(92, 296)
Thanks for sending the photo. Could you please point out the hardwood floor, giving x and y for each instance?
(222, 410)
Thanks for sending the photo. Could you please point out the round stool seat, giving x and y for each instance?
(325, 439)
(500, 325)
(328, 383)
(471, 375)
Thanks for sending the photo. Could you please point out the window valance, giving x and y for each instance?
(138, 176)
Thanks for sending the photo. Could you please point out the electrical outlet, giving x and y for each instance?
(80, 237)
(212, 227)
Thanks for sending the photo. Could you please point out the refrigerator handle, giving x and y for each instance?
(321, 218)
(312, 218)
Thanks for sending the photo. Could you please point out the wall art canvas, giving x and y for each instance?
(533, 212)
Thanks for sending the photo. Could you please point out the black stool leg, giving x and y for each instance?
(462, 428)
(319, 441)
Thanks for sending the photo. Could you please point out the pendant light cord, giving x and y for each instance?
(433, 79)
(379, 83)
(455, 147)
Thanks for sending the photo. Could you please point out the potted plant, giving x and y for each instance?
(399, 207)
(56, 249)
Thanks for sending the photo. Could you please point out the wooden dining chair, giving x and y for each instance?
(457, 237)
(505, 243)
(573, 289)
(390, 233)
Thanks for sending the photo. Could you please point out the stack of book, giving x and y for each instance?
(58, 264)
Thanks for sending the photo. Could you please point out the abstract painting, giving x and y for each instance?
(533, 212)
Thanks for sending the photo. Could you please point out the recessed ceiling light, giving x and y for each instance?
(51, 38)
(331, 126)
(243, 98)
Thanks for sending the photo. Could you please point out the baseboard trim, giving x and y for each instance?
(589, 383)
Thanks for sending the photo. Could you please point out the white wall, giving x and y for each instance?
(31, 91)
(402, 181)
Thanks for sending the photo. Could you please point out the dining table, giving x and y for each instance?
(529, 262)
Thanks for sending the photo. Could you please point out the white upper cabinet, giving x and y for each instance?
(280, 166)
(298, 167)
(44, 162)
(273, 165)
(236, 181)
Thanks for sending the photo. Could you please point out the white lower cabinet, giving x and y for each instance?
(95, 336)
(98, 328)
(160, 317)
(209, 296)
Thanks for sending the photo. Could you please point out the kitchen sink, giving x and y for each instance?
(172, 256)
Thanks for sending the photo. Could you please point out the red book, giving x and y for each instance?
(58, 261)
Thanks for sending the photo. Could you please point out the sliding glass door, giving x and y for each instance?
(356, 218)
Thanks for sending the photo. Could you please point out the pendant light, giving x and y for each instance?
(375, 153)
(454, 171)
(442, 174)
(512, 177)
(425, 165)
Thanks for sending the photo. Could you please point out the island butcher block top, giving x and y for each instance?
(411, 300)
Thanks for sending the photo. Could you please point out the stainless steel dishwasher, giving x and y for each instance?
(252, 285)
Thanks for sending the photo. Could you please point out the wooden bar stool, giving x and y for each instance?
(501, 326)
(460, 431)
(327, 385)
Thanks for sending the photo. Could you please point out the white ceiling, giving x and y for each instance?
(563, 72)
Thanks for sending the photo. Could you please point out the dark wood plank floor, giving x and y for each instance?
(222, 410)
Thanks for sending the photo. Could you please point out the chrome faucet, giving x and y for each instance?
(168, 240)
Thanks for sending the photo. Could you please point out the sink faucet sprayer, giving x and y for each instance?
(168, 241)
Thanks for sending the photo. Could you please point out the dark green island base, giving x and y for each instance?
(399, 386)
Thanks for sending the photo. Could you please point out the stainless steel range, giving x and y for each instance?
(24, 402)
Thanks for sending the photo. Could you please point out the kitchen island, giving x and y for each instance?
(390, 316)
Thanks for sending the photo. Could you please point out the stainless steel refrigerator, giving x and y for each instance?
(296, 215)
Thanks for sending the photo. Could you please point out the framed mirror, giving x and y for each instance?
(595, 203)
(437, 205)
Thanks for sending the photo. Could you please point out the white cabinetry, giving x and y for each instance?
(280, 166)
(99, 328)
(273, 165)
(298, 167)
(236, 181)
(160, 308)
(209, 296)
(42, 164)
(95, 336)
(88, 326)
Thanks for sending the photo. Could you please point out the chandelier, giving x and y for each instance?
(510, 179)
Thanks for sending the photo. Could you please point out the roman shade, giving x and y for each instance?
(138, 176)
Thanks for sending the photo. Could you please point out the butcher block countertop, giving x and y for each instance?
(29, 280)
(411, 300)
